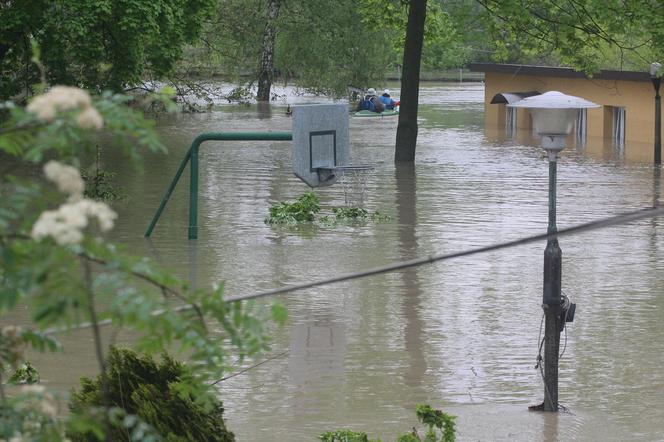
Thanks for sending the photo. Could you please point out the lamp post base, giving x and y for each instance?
(552, 326)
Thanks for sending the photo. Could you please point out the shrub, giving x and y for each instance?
(440, 428)
(304, 209)
(157, 394)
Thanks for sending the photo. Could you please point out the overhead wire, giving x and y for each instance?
(401, 265)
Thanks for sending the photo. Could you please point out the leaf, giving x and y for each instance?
(279, 313)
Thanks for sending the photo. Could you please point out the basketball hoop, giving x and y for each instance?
(354, 181)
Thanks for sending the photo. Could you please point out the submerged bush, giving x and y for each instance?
(344, 436)
(307, 207)
(440, 428)
(25, 374)
(156, 394)
(357, 214)
(302, 210)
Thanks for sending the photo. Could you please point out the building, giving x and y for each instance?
(627, 114)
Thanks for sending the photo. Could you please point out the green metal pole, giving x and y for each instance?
(168, 193)
(192, 154)
(658, 121)
(193, 192)
(552, 297)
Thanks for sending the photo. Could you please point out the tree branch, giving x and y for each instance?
(96, 333)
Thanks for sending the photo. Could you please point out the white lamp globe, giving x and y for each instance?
(554, 114)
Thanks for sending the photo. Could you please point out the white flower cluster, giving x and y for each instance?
(46, 402)
(67, 178)
(65, 225)
(66, 98)
(39, 409)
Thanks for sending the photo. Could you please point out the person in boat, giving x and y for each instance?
(387, 100)
(371, 102)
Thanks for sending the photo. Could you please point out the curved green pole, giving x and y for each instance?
(192, 155)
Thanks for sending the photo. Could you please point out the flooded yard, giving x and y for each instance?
(461, 335)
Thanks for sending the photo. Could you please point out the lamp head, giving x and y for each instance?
(553, 112)
(654, 68)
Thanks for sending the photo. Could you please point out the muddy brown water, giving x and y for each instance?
(460, 335)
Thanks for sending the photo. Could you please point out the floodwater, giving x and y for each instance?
(461, 335)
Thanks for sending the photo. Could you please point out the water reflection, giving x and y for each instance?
(264, 110)
(406, 207)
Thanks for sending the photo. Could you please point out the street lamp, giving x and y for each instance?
(654, 68)
(554, 114)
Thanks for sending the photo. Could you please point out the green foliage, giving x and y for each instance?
(157, 394)
(99, 186)
(240, 95)
(587, 35)
(410, 437)
(443, 45)
(307, 207)
(100, 44)
(338, 49)
(357, 214)
(350, 213)
(440, 428)
(99, 183)
(436, 420)
(302, 210)
(27, 136)
(30, 415)
(69, 280)
(25, 374)
(345, 436)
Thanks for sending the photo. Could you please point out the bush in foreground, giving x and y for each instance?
(154, 393)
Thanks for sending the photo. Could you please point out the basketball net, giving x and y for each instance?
(354, 183)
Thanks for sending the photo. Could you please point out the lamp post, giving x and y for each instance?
(654, 68)
(554, 114)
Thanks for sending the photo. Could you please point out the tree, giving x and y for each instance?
(267, 57)
(319, 45)
(99, 44)
(585, 34)
(410, 82)
(327, 46)
(428, 29)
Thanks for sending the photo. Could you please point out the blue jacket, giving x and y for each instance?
(369, 103)
(388, 102)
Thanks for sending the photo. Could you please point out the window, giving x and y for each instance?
(510, 120)
(618, 132)
(582, 125)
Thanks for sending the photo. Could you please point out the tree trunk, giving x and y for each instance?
(267, 57)
(410, 82)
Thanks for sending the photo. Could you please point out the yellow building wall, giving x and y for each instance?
(638, 99)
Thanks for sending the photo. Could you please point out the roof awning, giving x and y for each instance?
(511, 97)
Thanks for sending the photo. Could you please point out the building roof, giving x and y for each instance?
(511, 97)
(548, 71)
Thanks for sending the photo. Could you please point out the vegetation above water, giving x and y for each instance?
(156, 393)
(304, 209)
(55, 259)
(440, 428)
(347, 42)
(25, 374)
(307, 207)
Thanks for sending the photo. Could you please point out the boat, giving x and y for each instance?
(369, 114)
